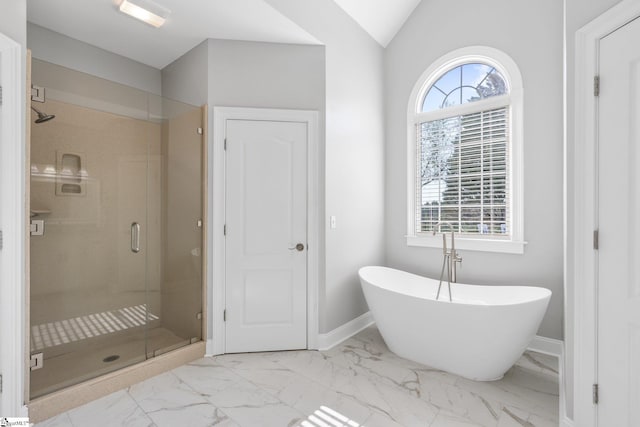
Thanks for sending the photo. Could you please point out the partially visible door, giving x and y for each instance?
(266, 233)
(619, 224)
(2, 303)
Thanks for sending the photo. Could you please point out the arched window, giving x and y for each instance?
(465, 83)
(465, 119)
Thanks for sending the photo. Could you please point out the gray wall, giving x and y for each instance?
(269, 75)
(186, 79)
(71, 53)
(353, 156)
(514, 28)
(578, 14)
(247, 74)
(13, 20)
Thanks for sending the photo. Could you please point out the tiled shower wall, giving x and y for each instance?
(83, 263)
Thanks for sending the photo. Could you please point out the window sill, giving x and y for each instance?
(467, 244)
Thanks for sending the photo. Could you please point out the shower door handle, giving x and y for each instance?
(135, 237)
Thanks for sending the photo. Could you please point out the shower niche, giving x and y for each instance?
(117, 183)
(69, 177)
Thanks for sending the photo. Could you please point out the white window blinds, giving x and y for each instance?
(463, 173)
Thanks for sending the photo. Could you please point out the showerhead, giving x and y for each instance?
(42, 117)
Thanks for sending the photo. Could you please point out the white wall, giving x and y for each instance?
(578, 14)
(531, 33)
(353, 155)
(59, 49)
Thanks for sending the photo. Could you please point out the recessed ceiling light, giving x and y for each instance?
(145, 10)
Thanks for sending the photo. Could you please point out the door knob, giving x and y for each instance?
(299, 247)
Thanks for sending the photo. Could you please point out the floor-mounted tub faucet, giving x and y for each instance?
(451, 258)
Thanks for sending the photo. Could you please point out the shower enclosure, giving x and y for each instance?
(116, 200)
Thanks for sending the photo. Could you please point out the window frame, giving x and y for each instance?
(514, 101)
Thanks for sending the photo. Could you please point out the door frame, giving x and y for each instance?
(585, 220)
(13, 225)
(216, 342)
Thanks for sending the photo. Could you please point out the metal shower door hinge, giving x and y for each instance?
(37, 227)
(36, 361)
(596, 85)
(596, 394)
(37, 93)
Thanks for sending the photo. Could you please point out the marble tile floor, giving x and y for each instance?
(357, 383)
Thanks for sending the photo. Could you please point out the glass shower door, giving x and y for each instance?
(116, 204)
(91, 192)
(178, 294)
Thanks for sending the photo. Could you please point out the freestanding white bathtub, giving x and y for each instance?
(479, 335)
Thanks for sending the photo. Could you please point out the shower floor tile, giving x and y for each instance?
(358, 383)
(85, 363)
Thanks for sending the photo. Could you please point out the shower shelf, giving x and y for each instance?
(38, 212)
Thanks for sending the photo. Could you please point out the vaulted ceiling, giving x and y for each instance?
(382, 19)
(99, 22)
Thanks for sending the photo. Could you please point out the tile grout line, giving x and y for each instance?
(271, 394)
(138, 405)
(230, 385)
(204, 396)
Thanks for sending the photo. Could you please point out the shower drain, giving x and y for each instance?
(111, 358)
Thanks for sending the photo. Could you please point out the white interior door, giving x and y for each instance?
(619, 225)
(266, 235)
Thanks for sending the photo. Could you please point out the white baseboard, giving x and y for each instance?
(544, 345)
(554, 347)
(346, 331)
